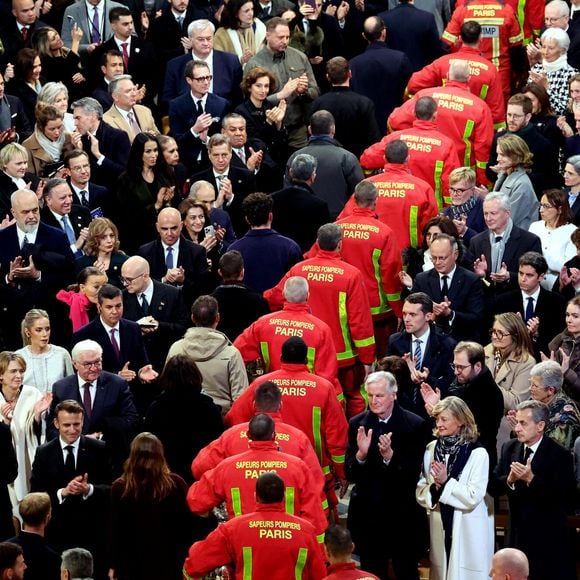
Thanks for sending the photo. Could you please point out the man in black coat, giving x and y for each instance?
(173, 259)
(354, 115)
(537, 474)
(158, 309)
(383, 459)
(85, 193)
(8, 473)
(108, 148)
(298, 212)
(433, 355)
(75, 472)
(497, 262)
(14, 123)
(456, 292)
(380, 73)
(18, 29)
(542, 311)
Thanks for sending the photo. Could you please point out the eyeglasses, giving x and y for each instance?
(89, 364)
(498, 333)
(546, 206)
(536, 387)
(459, 189)
(127, 281)
(204, 79)
(459, 368)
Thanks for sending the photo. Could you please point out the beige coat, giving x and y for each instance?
(38, 157)
(144, 118)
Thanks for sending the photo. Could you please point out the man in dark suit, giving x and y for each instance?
(456, 292)
(429, 350)
(266, 9)
(233, 184)
(542, 311)
(195, 115)
(158, 309)
(173, 259)
(380, 73)
(383, 460)
(414, 32)
(42, 562)
(85, 193)
(111, 63)
(354, 114)
(224, 67)
(538, 476)
(298, 212)
(497, 262)
(8, 473)
(75, 472)
(14, 123)
(35, 262)
(59, 212)
(19, 28)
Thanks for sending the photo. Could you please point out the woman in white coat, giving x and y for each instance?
(452, 490)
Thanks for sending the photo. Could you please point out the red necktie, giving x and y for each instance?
(24, 32)
(125, 56)
(115, 344)
(87, 404)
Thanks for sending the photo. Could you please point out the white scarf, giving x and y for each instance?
(52, 148)
(559, 63)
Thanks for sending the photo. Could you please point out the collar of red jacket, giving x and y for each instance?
(270, 507)
(364, 211)
(263, 445)
(426, 125)
(295, 307)
(294, 367)
(327, 255)
(392, 168)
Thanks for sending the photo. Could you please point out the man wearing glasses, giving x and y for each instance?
(109, 410)
(475, 385)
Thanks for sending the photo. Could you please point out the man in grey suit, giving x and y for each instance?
(96, 29)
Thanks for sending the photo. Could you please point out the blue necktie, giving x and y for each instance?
(417, 354)
(530, 308)
(169, 258)
(68, 230)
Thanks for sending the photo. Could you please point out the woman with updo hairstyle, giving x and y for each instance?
(543, 118)
(14, 175)
(49, 142)
(27, 80)
(45, 363)
(102, 251)
(56, 94)
(239, 32)
(514, 162)
(170, 152)
(150, 528)
(183, 413)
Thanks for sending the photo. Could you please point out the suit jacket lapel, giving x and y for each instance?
(99, 403)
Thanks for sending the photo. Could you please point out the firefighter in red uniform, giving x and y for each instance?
(462, 116)
(232, 481)
(405, 203)
(267, 544)
(338, 547)
(290, 439)
(309, 404)
(432, 155)
(338, 296)
(502, 38)
(265, 337)
(483, 76)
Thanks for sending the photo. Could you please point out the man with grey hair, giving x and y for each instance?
(77, 564)
(126, 114)
(546, 379)
(108, 148)
(298, 211)
(265, 337)
(509, 564)
(337, 171)
(383, 460)
(461, 115)
(337, 296)
(497, 249)
(538, 476)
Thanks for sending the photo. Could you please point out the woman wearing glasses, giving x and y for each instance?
(509, 358)
(554, 231)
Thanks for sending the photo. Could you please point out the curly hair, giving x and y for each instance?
(97, 229)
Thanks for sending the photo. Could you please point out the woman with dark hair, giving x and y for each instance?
(27, 81)
(49, 142)
(264, 110)
(183, 413)
(554, 230)
(240, 33)
(452, 489)
(170, 151)
(572, 186)
(543, 118)
(102, 251)
(143, 190)
(60, 63)
(150, 519)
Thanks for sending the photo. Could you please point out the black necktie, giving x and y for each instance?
(527, 454)
(70, 461)
(530, 308)
(84, 198)
(444, 287)
(498, 239)
(199, 107)
(144, 304)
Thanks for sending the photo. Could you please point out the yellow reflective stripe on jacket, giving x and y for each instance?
(236, 501)
(316, 424)
(466, 139)
(383, 304)
(310, 356)
(437, 181)
(290, 495)
(413, 227)
(301, 561)
(343, 319)
(483, 92)
(365, 342)
(265, 354)
(247, 560)
(449, 37)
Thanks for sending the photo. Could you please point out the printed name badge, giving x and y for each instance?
(490, 31)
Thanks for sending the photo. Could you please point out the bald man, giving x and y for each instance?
(156, 307)
(509, 564)
(35, 262)
(173, 259)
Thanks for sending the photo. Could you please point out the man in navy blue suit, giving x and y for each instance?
(35, 262)
(84, 192)
(224, 67)
(196, 115)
